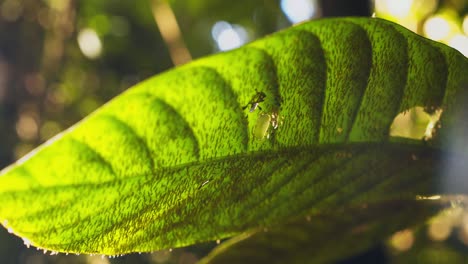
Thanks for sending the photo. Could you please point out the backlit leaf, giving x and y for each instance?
(185, 157)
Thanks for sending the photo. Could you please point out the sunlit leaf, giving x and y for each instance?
(185, 157)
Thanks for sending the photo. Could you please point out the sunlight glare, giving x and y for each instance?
(436, 28)
(299, 10)
(395, 8)
(460, 43)
(399, 8)
(90, 44)
(228, 36)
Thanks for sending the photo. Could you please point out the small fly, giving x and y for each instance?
(255, 101)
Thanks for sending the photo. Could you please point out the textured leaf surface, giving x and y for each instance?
(324, 237)
(178, 160)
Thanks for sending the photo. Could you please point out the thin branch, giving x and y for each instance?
(170, 31)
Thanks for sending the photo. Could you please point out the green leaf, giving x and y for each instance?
(324, 237)
(180, 159)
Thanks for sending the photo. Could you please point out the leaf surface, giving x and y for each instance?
(179, 158)
(324, 237)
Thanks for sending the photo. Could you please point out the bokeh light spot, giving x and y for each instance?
(436, 28)
(395, 8)
(160, 256)
(96, 259)
(228, 36)
(399, 8)
(402, 240)
(447, 221)
(299, 10)
(465, 25)
(58, 5)
(90, 44)
(26, 127)
(439, 230)
(460, 43)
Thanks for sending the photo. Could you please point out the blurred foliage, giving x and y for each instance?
(418, 15)
(51, 81)
(195, 17)
(47, 84)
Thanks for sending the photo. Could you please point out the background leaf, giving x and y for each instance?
(325, 237)
(173, 161)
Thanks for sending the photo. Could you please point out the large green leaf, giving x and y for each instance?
(178, 159)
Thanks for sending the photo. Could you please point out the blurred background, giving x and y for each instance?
(61, 59)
